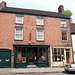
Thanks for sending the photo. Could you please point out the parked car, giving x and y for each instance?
(70, 67)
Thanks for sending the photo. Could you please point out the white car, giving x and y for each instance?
(70, 67)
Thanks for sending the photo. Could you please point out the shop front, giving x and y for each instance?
(61, 56)
(30, 55)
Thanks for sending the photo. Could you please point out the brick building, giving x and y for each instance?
(33, 37)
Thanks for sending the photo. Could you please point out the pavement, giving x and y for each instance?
(31, 70)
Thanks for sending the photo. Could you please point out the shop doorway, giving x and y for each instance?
(32, 55)
(67, 55)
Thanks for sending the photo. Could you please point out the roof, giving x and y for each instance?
(72, 26)
(33, 12)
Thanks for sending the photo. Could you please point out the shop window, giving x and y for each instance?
(57, 54)
(64, 35)
(21, 55)
(41, 55)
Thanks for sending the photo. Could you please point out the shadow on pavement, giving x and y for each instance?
(69, 72)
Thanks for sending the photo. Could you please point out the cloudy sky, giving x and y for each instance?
(46, 5)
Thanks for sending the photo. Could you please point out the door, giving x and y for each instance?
(67, 57)
(31, 56)
(5, 59)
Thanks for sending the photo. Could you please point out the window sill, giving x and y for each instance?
(65, 41)
(63, 27)
(17, 40)
(19, 23)
(40, 40)
(39, 25)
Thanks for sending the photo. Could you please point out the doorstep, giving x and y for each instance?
(36, 70)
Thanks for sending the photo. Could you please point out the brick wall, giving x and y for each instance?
(52, 30)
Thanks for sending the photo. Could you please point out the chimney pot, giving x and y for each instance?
(61, 9)
(3, 4)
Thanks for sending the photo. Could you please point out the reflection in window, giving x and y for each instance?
(41, 55)
(21, 55)
(57, 54)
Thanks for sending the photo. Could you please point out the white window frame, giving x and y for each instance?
(42, 38)
(19, 19)
(21, 33)
(40, 21)
(63, 23)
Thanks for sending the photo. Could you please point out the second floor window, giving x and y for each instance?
(19, 19)
(63, 24)
(64, 36)
(40, 35)
(18, 34)
(39, 21)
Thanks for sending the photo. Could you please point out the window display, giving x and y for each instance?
(58, 54)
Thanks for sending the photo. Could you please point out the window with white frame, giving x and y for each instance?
(39, 21)
(64, 35)
(18, 34)
(63, 24)
(19, 19)
(40, 35)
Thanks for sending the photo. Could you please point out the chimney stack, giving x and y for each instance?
(61, 9)
(3, 4)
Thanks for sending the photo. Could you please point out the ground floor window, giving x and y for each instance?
(41, 55)
(58, 54)
(24, 54)
(21, 55)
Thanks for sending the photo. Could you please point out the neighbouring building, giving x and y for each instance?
(72, 25)
(33, 37)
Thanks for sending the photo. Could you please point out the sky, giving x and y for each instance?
(46, 5)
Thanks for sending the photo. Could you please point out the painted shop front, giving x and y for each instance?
(25, 55)
(60, 56)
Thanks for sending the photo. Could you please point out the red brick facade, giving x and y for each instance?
(52, 31)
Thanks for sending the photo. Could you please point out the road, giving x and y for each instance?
(41, 74)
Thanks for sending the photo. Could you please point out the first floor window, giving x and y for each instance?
(57, 54)
(18, 34)
(64, 35)
(40, 35)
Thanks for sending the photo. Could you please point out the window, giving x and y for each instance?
(21, 55)
(63, 24)
(58, 54)
(40, 35)
(39, 21)
(18, 34)
(42, 55)
(64, 35)
(19, 19)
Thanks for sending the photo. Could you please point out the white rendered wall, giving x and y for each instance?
(73, 44)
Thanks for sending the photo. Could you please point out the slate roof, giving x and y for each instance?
(72, 26)
(33, 12)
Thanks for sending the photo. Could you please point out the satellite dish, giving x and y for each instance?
(0, 6)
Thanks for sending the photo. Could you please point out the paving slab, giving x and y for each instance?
(36, 70)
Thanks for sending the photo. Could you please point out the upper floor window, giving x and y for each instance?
(19, 18)
(18, 33)
(64, 35)
(40, 20)
(63, 24)
(40, 35)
